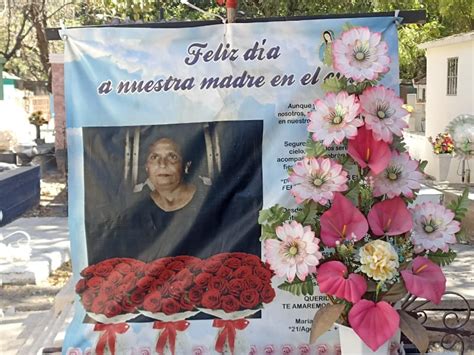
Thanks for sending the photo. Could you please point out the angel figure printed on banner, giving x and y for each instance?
(325, 47)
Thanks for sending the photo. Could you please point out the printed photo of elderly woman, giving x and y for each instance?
(168, 190)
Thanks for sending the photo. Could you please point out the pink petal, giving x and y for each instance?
(341, 221)
(367, 151)
(375, 323)
(331, 277)
(390, 217)
(425, 279)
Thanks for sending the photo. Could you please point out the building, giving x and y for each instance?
(449, 93)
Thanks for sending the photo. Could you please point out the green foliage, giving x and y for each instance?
(334, 84)
(460, 205)
(399, 144)
(309, 215)
(442, 258)
(298, 287)
(315, 148)
(422, 165)
(270, 219)
(358, 88)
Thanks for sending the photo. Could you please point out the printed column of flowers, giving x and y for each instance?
(357, 238)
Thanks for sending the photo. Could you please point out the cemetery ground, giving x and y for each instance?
(28, 310)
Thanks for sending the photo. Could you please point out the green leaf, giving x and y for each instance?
(298, 287)
(270, 219)
(460, 205)
(399, 144)
(347, 26)
(308, 214)
(315, 148)
(334, 84)
(442, 258)
(324, 319)
(422, 165)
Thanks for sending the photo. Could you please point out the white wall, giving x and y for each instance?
(441, 108)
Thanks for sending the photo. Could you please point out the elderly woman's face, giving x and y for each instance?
(165, 164)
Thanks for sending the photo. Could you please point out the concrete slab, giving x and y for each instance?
(50, 249)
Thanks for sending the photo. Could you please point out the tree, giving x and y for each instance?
(23, 41)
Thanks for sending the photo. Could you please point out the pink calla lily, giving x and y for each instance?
(366, 151)
(390, 217)
(343, 221)
(425, 279)
(374, 323)
(334, 280)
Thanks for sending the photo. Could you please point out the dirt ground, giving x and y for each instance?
(23, 298)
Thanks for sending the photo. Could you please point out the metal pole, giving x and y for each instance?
(2, 61)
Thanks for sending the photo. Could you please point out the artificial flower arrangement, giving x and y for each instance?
(442, 143)
(356, 238)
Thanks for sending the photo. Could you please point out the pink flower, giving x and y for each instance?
(334, 280)
(425, 279)
(383, 112)
(366, 151)
(317, 179)
(360, 54)
(374, 323)
(343, 221)
(434, 227)
(335, 118)
(295, 253)
(390, 217)
(401, 176)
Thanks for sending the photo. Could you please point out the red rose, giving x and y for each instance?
(202, 279)
(263, 273)
(88, 272)
(112, 309)
(217, 283)
(95, 282)
(249, 299)
(169, 306)
(127, 305)
(81, 286)
(186, 277)
(152, 302)
(221, 257)
(166, 275)
(154, 269)
(252, 260)
(137, 297)
(224, 272)
(129, 281)
(233, 263)
(212, 265)
(267, 294)
(190, 262)
(242, 272)
(165, 290)
(211, 299)
(120, 293)
(186, 304)
(195, 295)
(230, 304)
(115, 277)
(175, 265)
(177, 289)
(123, 268)
(156, 285)
(145, 282)
(99, 304)
(236, 286)
(108, 289)
(103, 269)
(88, 297)
(253, 282)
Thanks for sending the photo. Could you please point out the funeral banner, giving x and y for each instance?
(177, 139)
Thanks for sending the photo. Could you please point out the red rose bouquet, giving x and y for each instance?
(232, 285)
(106, 289)
(165, 288)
